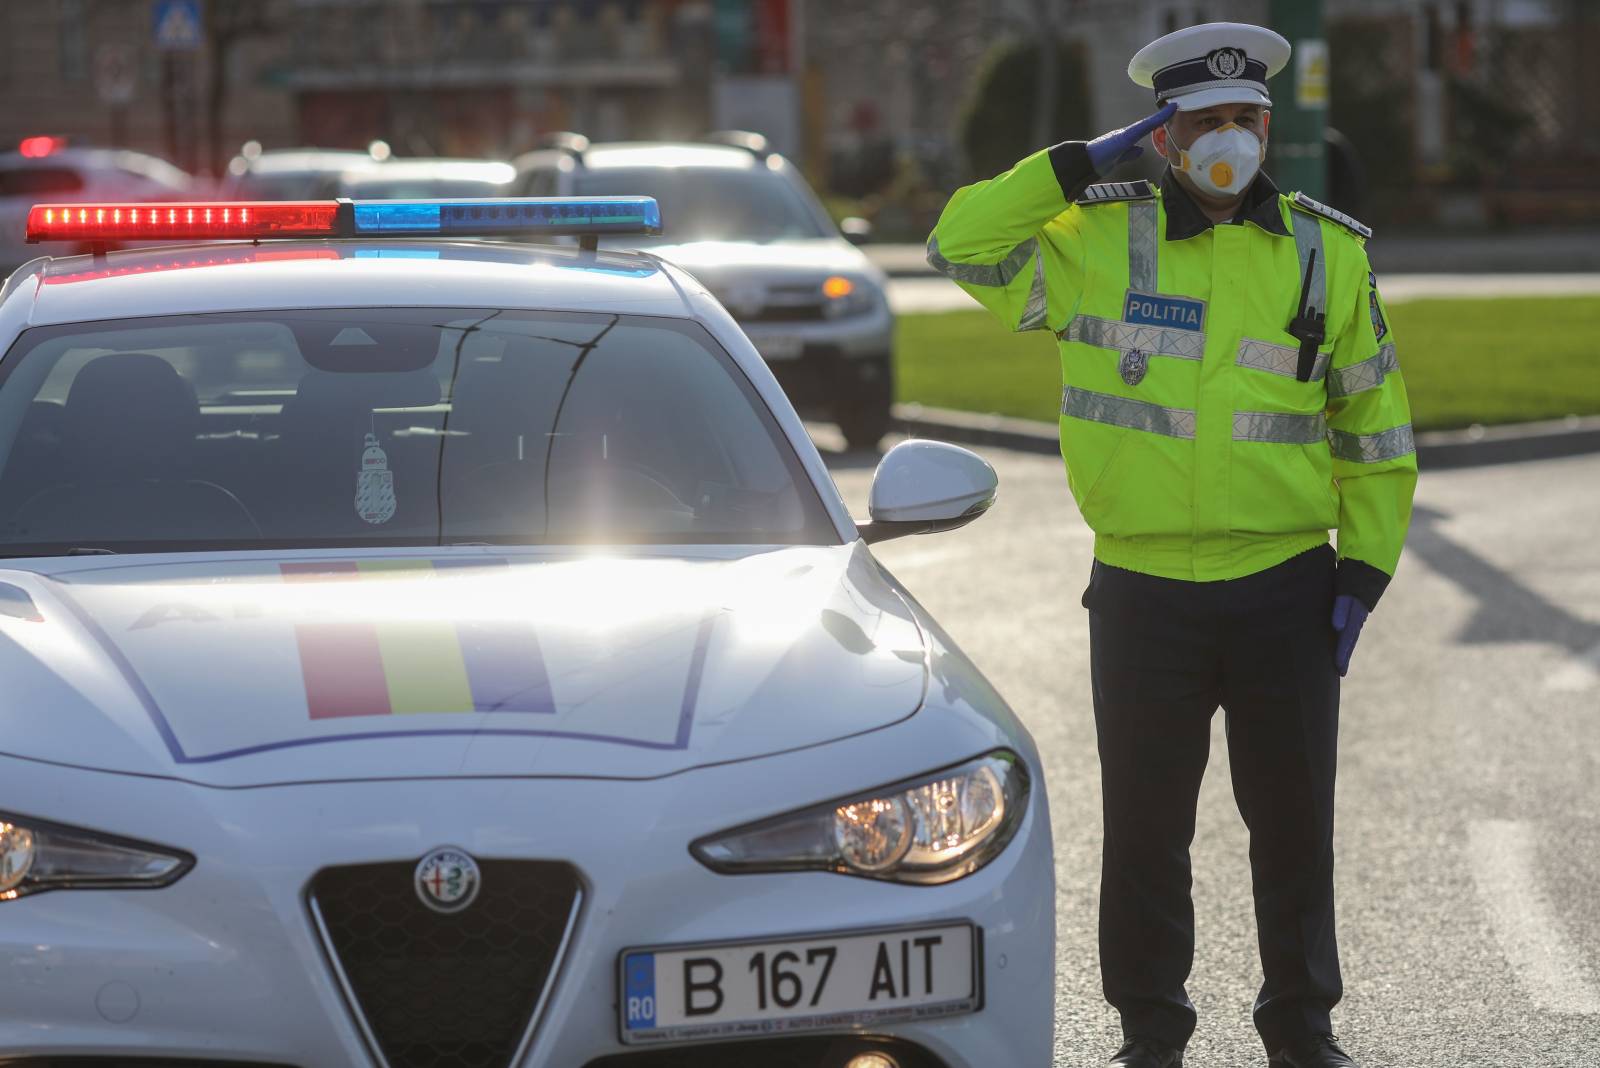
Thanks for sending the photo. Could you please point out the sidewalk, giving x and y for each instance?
(1436, 449)
(1544, 251)
(929, 292)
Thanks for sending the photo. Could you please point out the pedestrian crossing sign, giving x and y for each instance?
(177, 25)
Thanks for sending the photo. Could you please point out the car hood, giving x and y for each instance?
(714, 262)
(250, 669)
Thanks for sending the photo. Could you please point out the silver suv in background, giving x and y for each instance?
(290, 173)
(743, 220)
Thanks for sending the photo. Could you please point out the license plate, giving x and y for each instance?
(741, 989)
(780, 346)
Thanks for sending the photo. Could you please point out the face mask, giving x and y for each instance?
(1221, 161)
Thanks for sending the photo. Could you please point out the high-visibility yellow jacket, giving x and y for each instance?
(1192, 447)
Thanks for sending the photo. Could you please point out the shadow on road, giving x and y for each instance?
(1507, 611)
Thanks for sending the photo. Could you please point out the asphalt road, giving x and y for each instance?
(1468, 825)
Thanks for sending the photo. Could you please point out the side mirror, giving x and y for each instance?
(922, 487)
(856, 230)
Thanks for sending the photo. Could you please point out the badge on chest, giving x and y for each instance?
(1158, 310)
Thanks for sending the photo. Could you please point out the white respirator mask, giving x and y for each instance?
(1221, 161)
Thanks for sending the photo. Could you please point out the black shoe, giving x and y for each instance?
(1320, 1052)
(1146, 1053)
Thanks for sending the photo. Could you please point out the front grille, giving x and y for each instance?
(816, 1051)
(446, 991)
(783, 313)
(125, 1062)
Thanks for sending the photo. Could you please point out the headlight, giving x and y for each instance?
(843, 296)
(36, 856)
(928, 830)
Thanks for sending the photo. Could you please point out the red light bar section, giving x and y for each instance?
(166, 222)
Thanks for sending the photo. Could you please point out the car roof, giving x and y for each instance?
(86, 157)
(282, 160)
(240, 276)
(667, 154)
(456, 170)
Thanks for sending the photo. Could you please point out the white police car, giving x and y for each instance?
(425, 652)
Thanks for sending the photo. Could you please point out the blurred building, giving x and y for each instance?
(1456, 111)
(431, 77)
(449, 77)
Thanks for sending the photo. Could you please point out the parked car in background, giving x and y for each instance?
(46, 168)
(427, 179)
(290, 173)
(744, 221)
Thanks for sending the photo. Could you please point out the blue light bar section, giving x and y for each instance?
(509, 217)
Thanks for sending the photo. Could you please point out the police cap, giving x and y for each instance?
(1215, 63)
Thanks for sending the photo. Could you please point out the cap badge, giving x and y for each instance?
(1133, 365)
(447, 880)
(1225, 62)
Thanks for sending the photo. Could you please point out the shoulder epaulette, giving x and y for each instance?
(1106, 192)
(1316, 207)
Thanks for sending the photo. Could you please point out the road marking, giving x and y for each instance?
(1580, 673)
(1503, 866)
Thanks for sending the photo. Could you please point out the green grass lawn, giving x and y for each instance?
(1465, 361)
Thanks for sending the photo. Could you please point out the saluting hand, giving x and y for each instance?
(1122, 146)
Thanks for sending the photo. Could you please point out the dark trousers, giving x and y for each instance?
(1165, 655)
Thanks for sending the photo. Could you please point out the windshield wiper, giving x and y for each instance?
(89, 550)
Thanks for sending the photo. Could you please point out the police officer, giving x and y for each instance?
(1231, 395)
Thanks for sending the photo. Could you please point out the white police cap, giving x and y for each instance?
(1215, 63)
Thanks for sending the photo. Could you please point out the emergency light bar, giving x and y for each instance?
(588, 217)
(165, 222)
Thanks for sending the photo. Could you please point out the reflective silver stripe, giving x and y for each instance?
(1372, 448)
(1036, 312)
(1308, 236)
(1279, 427)
(1153, 340)
(1278, 359)
(1142, 246)
(1120, 411)
(998, 275)
(1368, 374)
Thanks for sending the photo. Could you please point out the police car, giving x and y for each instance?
(430, 651)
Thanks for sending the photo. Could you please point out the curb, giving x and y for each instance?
(1437, 450)
(1511, 443)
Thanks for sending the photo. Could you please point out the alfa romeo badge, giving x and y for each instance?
(447, 880)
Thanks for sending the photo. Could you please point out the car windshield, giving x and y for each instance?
(710, 203)
(389, 427)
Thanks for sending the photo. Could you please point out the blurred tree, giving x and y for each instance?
(228, 23)
(1371, 98)
(1485, 127)
(997, 125)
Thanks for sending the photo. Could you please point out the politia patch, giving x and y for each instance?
(1225, 62)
